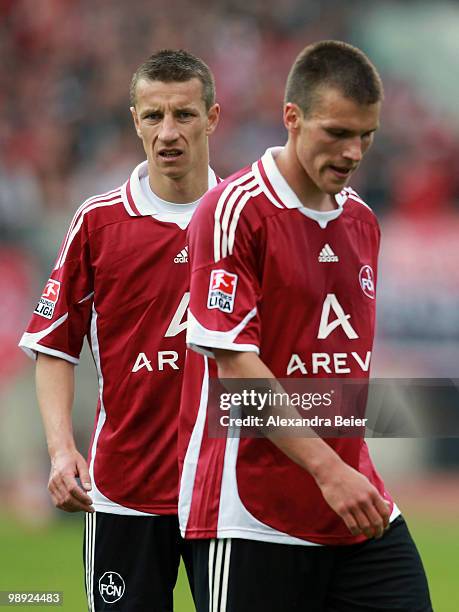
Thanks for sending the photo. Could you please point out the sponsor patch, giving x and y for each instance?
(48, 300)
(366, 278)
(222, 290)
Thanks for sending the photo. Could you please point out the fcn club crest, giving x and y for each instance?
(222, 290)
(367, 281)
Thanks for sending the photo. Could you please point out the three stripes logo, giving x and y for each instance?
(326, 255)
(182, 257)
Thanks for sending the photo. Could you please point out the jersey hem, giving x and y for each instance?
(125, 510)
(277, 538)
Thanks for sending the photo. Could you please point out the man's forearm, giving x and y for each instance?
(311, 453)
(55, 380)
(55, 384)
(349, 493)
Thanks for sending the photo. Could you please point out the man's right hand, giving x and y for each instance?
(352, 496)
(63, 486)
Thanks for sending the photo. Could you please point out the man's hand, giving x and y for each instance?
(356, 501)
(63, 486)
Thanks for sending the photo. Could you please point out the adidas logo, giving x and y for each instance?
(182, 257)
(326, 255)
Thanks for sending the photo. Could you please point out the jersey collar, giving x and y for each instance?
(274, 185)
(135, 202)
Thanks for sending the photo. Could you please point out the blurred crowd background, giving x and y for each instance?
(66, 133)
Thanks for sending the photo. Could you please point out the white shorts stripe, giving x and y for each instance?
(211, 572)
(89, 558)
(226, 567)
(218, 571)
(86, 556)
(93, 554)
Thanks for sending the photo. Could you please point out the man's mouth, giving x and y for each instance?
(170, 154)
(341, 171)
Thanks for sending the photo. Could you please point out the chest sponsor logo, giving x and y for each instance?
(178, 322)
(328, 363)
(367, 281)
(222, 290)
(166, 359)
(111, 587)
(332, 318)
(341, 319)
(48, 300)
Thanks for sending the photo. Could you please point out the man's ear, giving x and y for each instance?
(292, 117)
(213, 116)
(136, 121)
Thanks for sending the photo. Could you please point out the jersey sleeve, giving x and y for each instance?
(224, 284)
(61, 318)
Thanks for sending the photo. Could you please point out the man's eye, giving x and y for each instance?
(184, 115)
(153, 117)
(338, 133)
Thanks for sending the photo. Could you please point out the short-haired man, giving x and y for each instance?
(283, 273)
(121, 278)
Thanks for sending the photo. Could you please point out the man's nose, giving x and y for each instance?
(168, 132)
(353, 150)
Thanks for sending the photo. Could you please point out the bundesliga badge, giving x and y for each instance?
(367, 282)
(222, 290)
(48, 300)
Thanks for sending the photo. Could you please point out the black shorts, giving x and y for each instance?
(131, 562)
(250, 576)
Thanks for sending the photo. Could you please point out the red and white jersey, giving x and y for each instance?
(297, 287)
(121, 279)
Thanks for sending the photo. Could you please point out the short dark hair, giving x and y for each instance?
(336, 64)
(168, 65)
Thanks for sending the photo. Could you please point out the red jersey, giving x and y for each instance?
(296, 286)
(121, 279)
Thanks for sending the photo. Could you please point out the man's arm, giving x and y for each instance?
(347, 492)
(55, 382)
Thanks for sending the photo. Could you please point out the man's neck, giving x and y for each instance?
(305, 189)
(180, 190)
